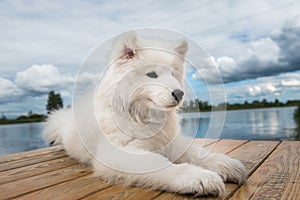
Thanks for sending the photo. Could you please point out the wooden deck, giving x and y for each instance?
(274, 173)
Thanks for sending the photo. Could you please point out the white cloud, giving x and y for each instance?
(9, 91)
(38, 80)
(265, 49)
(283, 86)
(263, 89)
(226, 64)
(42, 79)
(85, 81)
(291, 83)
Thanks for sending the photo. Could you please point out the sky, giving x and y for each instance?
(255, 45)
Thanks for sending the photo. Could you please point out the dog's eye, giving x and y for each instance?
(152, 75)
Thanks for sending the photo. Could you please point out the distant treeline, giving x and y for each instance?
(188, 106)
(198, 105)
(54, 102)
(29, 118)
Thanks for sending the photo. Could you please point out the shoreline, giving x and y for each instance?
(15, 121)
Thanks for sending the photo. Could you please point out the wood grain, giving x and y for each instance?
(206, 141)
(252, 154)
(74, 189)
(125, 193)
(28, 154)
(35, 169)
(225, 146)
(31, 160)
(278, 177)
(22, 186)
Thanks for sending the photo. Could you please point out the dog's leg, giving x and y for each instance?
(229, 169)
(181, 178)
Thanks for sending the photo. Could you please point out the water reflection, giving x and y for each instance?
(195, 127)
(254, 124)
(297, 121)
(20, 137)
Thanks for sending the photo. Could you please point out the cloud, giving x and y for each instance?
(262, 90)
(288, 40)
(291, 83)
(284, 86)
(42, 32)
(85, 82)
(42, 78)
(34, 82)
(266, 56)
(235, 33)
(37, 80)
(9, 92)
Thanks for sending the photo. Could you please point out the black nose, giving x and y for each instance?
(177, 94)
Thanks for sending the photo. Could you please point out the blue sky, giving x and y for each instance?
(254, 44)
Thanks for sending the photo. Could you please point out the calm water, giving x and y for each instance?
(20, 137)
(255, 124)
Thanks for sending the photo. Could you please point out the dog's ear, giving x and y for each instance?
(181, 48)
(126, 46)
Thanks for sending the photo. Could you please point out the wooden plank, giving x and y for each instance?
(124, 192)
(252, 154)
(226, 146)
(206, 141)
(19, 187)
(75, 189)
(144, 194)
(35, 169)
(31, 160)
(28, 154)
(277, 178)
(172, 196)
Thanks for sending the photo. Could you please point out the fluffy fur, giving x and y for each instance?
(135, 113)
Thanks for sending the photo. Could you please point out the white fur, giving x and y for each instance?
(136, 114)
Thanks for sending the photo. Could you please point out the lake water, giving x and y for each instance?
(20, 137)
(254, 124)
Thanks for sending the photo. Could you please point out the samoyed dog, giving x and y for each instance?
(128, 128)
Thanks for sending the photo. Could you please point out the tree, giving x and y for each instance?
(29, 114)
(297, 115)
(3, 117)
(191, 105)
(277, 102)
(54, 102)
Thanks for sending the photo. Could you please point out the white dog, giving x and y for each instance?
(128, 127)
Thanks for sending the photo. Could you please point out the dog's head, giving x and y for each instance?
(152, 71)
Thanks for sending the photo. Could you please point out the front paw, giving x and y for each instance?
(200, 182)
(231, 170)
